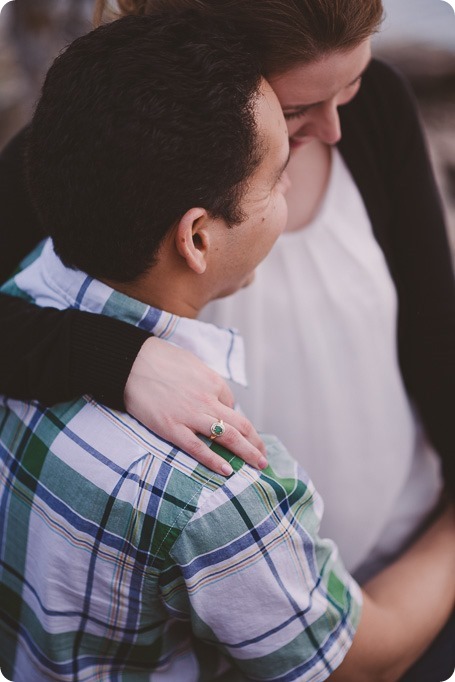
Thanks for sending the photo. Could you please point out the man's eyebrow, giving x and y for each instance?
(278, 175)
(303, 107)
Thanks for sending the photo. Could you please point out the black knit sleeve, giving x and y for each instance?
(425, 284)
(418, 255)
(46, 354)
(53, 356)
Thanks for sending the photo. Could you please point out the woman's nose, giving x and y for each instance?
(326, 123)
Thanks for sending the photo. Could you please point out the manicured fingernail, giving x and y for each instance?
(226, 469)
(262, 463)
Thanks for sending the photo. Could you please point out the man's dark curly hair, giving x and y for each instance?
(139, 121)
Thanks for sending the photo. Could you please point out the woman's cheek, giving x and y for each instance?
(281, 214)
(293, 127)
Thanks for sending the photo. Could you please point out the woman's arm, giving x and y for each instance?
(53, 356)
(404, 608)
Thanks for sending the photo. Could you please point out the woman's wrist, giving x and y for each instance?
(103, 351)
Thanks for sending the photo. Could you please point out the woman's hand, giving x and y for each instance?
(176, 395)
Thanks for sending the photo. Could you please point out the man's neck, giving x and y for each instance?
(163, 293)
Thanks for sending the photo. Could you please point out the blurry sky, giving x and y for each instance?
(418, 21)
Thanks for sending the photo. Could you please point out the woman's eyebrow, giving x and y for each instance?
(361, 73)
(299, 107)
(303, 107)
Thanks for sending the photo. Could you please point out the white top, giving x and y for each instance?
(320, 329)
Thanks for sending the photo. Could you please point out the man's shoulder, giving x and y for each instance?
(88, 451)
(118, 457)
(256, 498)
(283, 473)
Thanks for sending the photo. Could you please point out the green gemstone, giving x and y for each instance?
(218, 430)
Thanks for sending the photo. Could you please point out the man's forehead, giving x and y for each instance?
(272, 129)
(270, 120)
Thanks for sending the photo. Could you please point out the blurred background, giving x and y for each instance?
(418, 36)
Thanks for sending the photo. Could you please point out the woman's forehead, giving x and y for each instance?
(321, 79)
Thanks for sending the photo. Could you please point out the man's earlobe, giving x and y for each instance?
(192, 239)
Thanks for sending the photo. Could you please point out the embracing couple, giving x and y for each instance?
(158, 162)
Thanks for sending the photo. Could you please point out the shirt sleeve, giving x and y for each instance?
(259, 583)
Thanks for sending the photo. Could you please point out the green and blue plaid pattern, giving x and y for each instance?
(122, 559)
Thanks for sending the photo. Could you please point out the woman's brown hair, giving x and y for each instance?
(285, 32)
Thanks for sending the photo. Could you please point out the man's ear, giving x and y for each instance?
(192, 239)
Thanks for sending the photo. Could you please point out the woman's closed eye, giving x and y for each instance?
(344, 96)
(298, 113)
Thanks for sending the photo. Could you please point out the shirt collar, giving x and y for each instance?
(51, 283)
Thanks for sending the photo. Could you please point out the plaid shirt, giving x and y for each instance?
(123, 559)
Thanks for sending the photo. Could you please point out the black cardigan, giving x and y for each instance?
(53, 356)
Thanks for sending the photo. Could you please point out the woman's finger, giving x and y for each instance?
(232, 439)
(226, 396)
(244, 428)
(186, 440)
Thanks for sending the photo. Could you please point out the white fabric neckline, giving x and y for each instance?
(320, 217)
